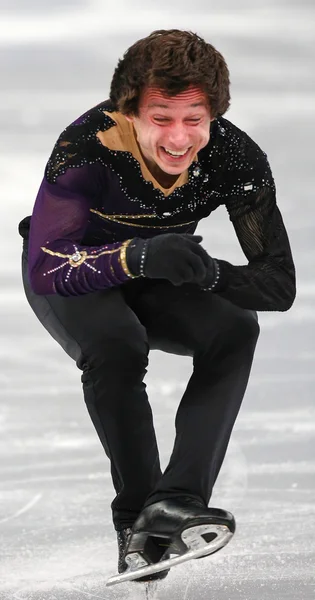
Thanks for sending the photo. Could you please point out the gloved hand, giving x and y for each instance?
(173, 256)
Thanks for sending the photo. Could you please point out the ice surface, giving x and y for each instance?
(56, 537)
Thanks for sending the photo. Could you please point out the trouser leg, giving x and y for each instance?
(117, 402)
(109, 344)
(111, 347)
(224, 338)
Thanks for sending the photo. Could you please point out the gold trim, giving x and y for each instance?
(84, 256)
(124, 216)
(123, 260)
(116, 220)
(82, 252)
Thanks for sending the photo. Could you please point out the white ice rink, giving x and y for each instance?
(56, 537)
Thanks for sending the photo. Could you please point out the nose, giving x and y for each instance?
(178, 137)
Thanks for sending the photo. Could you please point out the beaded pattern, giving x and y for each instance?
(209, 179)
(215, 179)
(77, 259)
(216, 278)
(231, 170)
(143, 257)
(230, 151)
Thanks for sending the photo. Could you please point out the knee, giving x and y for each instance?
(122, 354)
(242, 324)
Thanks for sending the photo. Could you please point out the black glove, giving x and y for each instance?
(173, 256)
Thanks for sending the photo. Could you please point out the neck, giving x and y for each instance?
(164, 179)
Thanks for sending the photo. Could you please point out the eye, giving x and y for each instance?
(164, 120)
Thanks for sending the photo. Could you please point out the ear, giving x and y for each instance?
(130, 118)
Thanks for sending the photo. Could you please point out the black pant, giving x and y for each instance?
(109, 334)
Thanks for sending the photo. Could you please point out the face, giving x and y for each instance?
(170, 131)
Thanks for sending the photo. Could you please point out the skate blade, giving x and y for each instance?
(192, 537)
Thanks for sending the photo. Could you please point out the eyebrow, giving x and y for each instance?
(159, 105)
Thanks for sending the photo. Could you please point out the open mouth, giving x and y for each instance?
(175, 157)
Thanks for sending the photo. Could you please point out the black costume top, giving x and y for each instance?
(97, 194)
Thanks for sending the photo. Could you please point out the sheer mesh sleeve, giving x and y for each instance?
(267, 282)
(58, 263)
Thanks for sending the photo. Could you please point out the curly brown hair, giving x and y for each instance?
(171, 60)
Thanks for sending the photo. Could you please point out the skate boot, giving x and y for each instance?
(170, 532)
(122, 539)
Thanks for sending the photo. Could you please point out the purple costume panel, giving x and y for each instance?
(58, 263)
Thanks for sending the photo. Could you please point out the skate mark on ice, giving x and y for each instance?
(87, 593)
(189, 572)
(150, 594)
(185, 597)
(151, 589)
(24, 509)
(45, 478)
(16, 597)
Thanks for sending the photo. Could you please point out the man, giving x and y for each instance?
(112, 269)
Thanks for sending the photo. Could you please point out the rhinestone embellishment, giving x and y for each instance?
(196, 172)
(76, 257)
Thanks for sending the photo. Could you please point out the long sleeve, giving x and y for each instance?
(58, 263)
(267, 282)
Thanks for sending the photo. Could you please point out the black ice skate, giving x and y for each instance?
(171, 532)
(123, 539)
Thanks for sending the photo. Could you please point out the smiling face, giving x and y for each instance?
(171, 130)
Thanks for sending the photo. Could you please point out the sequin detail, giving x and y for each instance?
(79, 257)
(78, 145)
(218, 174)
(128, 218)
(231, 170)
